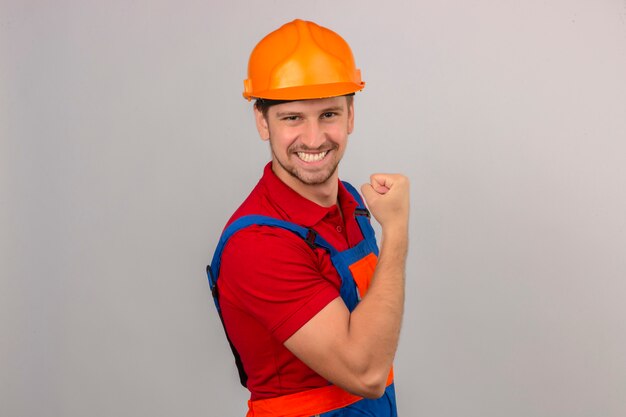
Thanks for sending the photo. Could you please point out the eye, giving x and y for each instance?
(291, 118)
(328, 115)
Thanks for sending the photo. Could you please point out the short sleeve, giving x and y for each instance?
(275, 277)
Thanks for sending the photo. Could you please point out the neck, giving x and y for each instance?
(324, 194)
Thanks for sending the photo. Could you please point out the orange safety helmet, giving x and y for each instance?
(301, 60)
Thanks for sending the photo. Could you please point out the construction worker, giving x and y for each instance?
(312, 309)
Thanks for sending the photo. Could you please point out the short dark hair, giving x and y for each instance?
(263, 105)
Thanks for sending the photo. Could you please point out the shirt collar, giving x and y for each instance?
(298, 209)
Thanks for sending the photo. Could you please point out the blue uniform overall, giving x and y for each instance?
(355, 267)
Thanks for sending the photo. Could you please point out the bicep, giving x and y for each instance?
(323, 345)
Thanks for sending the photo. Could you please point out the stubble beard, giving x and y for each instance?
(314, 178)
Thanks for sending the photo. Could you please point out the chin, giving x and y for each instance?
(320, 178)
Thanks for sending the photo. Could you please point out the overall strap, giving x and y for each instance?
(362, 215)
(310, 236)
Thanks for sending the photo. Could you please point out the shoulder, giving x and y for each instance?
(264, 256)
(270, 243)
(262, 264)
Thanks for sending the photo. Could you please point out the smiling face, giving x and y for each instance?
(307, 139)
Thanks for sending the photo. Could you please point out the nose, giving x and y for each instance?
(313, 135)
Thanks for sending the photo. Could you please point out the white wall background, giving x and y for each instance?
(125, 145)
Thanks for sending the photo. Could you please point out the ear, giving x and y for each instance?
(350, 117)
(261, 124)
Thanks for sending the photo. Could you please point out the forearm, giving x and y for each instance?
(374, 326)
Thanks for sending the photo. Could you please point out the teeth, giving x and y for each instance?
(312, 157)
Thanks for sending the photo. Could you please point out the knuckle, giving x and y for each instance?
(402, 179)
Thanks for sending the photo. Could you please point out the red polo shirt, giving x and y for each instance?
(271, 282)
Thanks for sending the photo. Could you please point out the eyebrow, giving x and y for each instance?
(334, 108)
(297, 113)
(288, 113)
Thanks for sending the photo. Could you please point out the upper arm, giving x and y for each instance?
(272, 275)
(324, 345)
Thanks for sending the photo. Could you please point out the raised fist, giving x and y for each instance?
(387, 196)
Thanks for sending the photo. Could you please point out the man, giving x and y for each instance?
(311, 308)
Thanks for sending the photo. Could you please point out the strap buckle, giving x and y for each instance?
(362, 212)
(311, 236)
